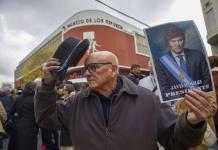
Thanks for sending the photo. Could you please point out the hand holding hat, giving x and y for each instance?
(68, 53)
(50, 69)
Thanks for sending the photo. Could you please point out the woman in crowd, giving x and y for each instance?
(25, 130)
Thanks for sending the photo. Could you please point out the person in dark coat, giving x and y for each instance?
(25, 130)
(65, 138)
(7, 102)
(134, 74)
(114, 113)
(50, 137)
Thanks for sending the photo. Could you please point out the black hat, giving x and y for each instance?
(69, 52)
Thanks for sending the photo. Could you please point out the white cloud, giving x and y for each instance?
(15, 44)
(17, 38)
(26, 23)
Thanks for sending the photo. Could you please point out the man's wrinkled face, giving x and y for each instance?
(98, 72)
(176, 44)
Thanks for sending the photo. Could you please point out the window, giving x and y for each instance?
(210, 18)
(141, 44)
(89, 35)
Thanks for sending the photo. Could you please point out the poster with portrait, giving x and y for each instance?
(180, 62)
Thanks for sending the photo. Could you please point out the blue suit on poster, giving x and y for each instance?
(197, 69)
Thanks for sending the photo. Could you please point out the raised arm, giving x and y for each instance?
(45, 103)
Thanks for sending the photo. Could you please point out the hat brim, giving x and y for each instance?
(73, 58)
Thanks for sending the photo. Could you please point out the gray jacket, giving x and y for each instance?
(137, 120)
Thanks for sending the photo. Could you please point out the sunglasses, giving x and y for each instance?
(92, 66)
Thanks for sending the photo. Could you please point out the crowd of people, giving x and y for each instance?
(115, 113)
(112, 112)
(65, 116)
(18, 127)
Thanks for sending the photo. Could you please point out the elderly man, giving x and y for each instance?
(114, 113)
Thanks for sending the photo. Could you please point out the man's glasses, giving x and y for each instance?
(92, 66)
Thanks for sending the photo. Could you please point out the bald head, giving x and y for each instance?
(101, 71)
(103, 57)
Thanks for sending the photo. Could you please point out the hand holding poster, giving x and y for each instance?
(179, 58)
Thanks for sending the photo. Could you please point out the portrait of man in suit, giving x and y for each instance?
(181, 69)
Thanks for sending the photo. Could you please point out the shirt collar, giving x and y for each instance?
(175, 54)
(124, 85)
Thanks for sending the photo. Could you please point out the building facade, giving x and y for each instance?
(104, 31)
(210, 12)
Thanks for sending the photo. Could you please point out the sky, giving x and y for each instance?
(24, 24)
